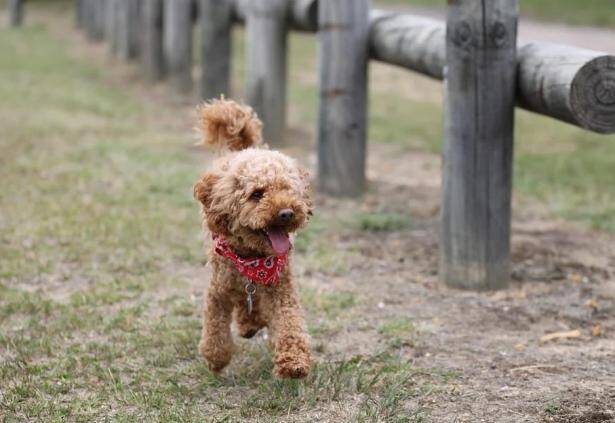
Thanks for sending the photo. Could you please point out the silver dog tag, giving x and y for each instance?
(250, 290)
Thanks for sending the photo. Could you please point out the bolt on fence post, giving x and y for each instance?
(481, 45)
(343, 29)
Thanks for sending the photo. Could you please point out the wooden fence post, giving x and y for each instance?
(79, 7)
(88, 18)
(99, 10)
(112, 25)
(127, 28)
(177, 29)
(15, 12)
(152, 57)
(478, 147)
(266, 46)
(343, 29)
(216, 25)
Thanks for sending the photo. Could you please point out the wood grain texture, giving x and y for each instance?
(266, 65)
(567, 83)
(411, 42)
(216, 25)
(570, 84)
(127, 28)
(302, 14)
(177, 42)
(111, 26)
(152, 57)
(343, 35)
(15, 12)
(478, 146)
(94, 19)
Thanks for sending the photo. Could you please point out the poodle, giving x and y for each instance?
(252, 200)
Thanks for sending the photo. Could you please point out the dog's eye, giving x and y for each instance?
(257, 194)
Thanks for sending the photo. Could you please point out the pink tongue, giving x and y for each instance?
(279, 240)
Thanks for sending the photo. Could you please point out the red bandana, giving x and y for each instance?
(263, 270)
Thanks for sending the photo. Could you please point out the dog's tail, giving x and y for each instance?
(226, 123)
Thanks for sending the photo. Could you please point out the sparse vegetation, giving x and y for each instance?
(382, 221)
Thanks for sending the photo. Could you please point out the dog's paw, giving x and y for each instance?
(292, 366)
(293, 370)
(217, 358)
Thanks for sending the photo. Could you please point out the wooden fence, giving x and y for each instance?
(486, 73)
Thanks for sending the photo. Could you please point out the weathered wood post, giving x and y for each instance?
(343, 31)
(111, 25)
(216, 25)
(478, 147)
(127, 28)
(15, 12)
(152, 58)
(88, 18)
(93, 19)
(177, 29)
(99, 10)
(266, 46)
(79, 12)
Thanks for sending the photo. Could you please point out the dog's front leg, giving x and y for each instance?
(216, 344)
(292, 349)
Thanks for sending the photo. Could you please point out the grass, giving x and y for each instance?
(381, 221)
(398, 331)
(590, 12)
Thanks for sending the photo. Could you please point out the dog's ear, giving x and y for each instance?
(204, 187)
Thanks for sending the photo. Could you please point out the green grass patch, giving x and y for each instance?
(332, 304)
(552, 408)
(381, 221)
(398, 331)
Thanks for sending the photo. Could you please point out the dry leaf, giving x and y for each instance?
(592, 303)
(597, 330)
(520, 347)
(576, 277)
(561, 335)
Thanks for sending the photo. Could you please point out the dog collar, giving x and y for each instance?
(262, 270)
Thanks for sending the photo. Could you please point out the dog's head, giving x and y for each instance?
(255, 198)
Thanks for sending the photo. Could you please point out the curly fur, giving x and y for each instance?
(229, 124)
(225, 193)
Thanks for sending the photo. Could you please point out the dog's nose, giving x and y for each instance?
(285, 215)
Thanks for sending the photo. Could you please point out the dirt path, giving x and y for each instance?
(600, 39)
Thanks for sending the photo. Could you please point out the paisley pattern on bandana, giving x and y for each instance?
(263, 270)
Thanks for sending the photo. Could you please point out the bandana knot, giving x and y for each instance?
(263, 270)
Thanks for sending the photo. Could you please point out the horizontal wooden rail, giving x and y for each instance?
(302, 14)
(567, 83)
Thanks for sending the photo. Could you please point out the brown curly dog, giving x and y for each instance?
(252, 199)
